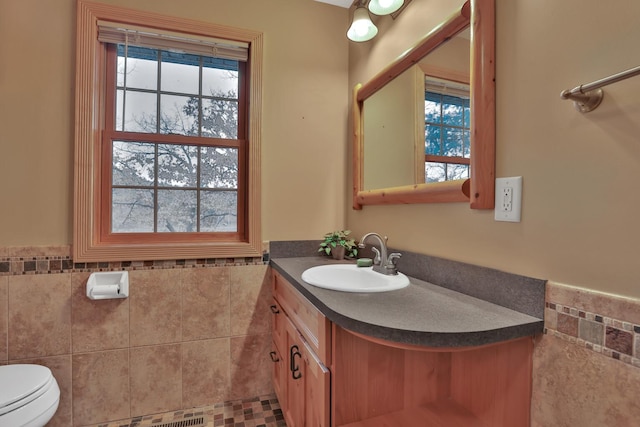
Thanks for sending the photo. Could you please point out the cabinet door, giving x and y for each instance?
(307, 397)
(316, 390)
(294, 401)
(279, 375)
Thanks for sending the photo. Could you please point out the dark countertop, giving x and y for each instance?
(420, 314)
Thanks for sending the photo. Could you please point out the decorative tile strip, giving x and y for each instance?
(44, 264)
(613, 338)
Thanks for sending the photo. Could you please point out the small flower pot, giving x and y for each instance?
(338, 252)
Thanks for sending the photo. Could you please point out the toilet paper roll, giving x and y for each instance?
(105, 291)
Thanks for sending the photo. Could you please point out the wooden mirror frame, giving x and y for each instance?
(479, 190)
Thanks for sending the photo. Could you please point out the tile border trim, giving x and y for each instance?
(41, 260)
(613, 338)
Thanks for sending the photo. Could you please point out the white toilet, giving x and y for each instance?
(29, 395)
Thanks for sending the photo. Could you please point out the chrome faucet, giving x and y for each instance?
(382, 263)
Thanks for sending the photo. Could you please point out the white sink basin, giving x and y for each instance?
(351, 278)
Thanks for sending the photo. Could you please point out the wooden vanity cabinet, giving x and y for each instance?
(379, 383)
(376, 383)
(302, 343)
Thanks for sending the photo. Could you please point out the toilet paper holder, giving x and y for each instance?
(108, 285)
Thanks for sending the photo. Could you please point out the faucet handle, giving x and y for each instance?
(393, 258)
(390, 266)
(377, 258)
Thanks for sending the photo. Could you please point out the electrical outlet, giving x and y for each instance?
(508, 199)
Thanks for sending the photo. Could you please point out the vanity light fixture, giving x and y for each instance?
(361, 29)
(385, 7)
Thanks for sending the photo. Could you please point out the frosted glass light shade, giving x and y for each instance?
(385, 7)
(361, 29)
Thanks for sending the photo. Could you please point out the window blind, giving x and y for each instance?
(446, 87)
(118, 33)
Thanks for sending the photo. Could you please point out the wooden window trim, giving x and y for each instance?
(88, 242)
(454, 160)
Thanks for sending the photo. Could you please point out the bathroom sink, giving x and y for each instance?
(351, 278)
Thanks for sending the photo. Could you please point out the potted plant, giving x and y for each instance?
(339, 245)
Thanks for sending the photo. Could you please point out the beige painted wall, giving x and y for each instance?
(304, 114)
(580, 199)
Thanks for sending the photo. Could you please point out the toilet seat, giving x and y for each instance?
(29, 395)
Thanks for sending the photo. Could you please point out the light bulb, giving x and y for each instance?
(362, 29)
(385, 7)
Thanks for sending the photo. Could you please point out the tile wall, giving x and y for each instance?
(196, 332)
(586, 365)
(191, 333)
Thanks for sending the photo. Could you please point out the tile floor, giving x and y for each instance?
(262, 411)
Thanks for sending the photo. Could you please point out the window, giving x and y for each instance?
(447, 121)
(172, 169)
(156, 184)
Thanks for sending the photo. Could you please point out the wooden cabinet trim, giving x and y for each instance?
(312, 324)
(416, 347)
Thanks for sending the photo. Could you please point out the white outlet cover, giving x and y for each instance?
(502, 213)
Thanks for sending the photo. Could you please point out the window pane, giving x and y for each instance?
(140, 112)
(467, 114)
(452, 111)
(133, 163)
(177, 211)
(453, 141)
(141, 73)
(180, 73)
(119, 125)
(467, 144)
(455, 171)
(219, 211)
(438, 172)
(177, 165)
(142, 67)
(131, 211)
(432, 104)
(435, 172)
(220, 118)
(178, 115)
(432, 140)
(219, 168)
(219, 83)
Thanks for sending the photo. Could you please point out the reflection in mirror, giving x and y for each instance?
(392, 147)
(447, 111)
(424, 127)
(416, 127)
(447, 116)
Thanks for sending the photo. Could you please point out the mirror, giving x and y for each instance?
(422, 117)
(389, 144)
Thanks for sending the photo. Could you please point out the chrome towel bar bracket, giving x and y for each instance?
(588, 96)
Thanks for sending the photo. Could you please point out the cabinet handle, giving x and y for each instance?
(295, 370)
(274, 309)
(274, 356)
